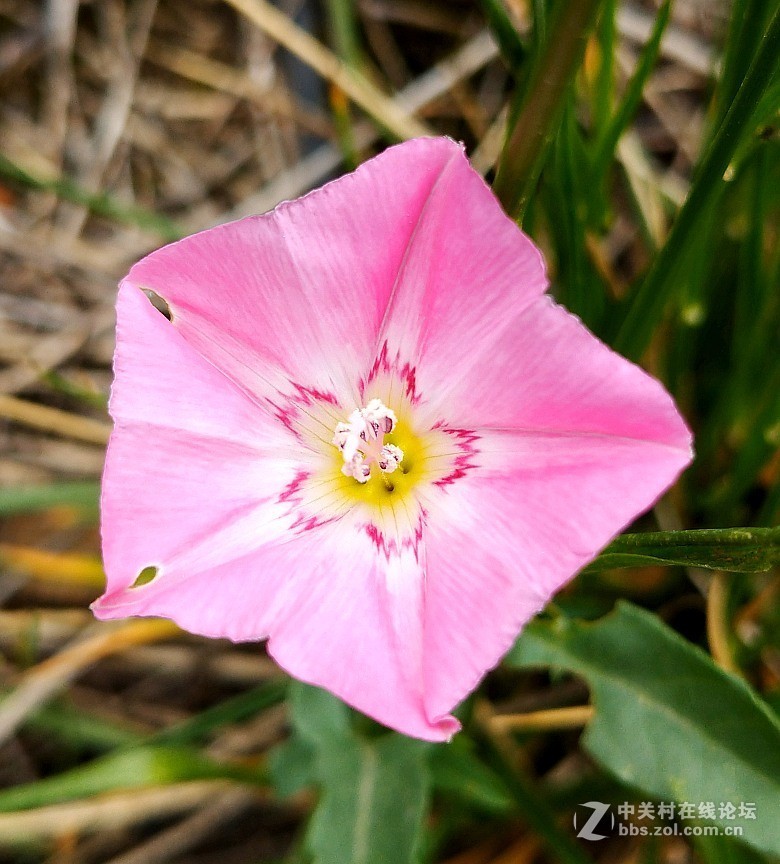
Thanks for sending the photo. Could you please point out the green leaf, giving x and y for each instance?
(160, 759)
(374, 797)
(725, 850)
(457, 771)
(737, 550)
(233, 710)
(85, 731)
(748, 21)
(345, 31)
(374, 792)
(291, 766)
(318, 716)
(572, 204)
(542, 104)
(512, 48)
(606, 32)
(668, 720)
(75, 729)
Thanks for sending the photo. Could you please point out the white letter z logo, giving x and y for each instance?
(586, 832)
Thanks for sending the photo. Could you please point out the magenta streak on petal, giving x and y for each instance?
(294, 493)
(291, 492)
(309, 395)
(302, 523)
(465, 460)
(393, 546)
(289, 413)
(403, 372)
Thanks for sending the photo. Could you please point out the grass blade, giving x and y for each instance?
(656, 290)
(633, 94)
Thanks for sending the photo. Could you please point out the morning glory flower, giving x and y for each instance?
(369, 436)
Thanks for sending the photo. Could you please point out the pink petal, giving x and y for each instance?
(193, 483)
(468, 273)
(583, 442)
(500, 544)
(339, 614)
(545, 371)
(295, 298)
(192, 460)
(357, 630)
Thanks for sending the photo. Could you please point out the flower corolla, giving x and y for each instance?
(368, 435)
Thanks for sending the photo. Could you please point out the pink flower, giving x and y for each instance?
(370, 437)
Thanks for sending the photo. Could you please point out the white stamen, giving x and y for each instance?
(361, 441)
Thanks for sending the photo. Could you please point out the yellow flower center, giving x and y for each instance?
(381, 466)
(385, 488)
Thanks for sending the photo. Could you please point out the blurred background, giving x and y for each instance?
(125, 124)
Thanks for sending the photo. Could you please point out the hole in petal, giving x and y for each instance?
(145, 577)
(159, 303)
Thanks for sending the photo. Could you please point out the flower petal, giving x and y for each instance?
(468, 272)
(293, 300)
(583, 442)
(501, 542)
(547, 372)
(340, 614)
(357, 630)
(191, 458)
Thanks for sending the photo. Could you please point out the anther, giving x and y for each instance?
(361, 441)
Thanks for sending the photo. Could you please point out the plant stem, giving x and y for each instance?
(525, 148)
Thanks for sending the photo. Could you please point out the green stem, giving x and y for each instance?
(101, 204)
(523, 155)
(654, 293)
(535, 809)
(736, 550)
(346, 41)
